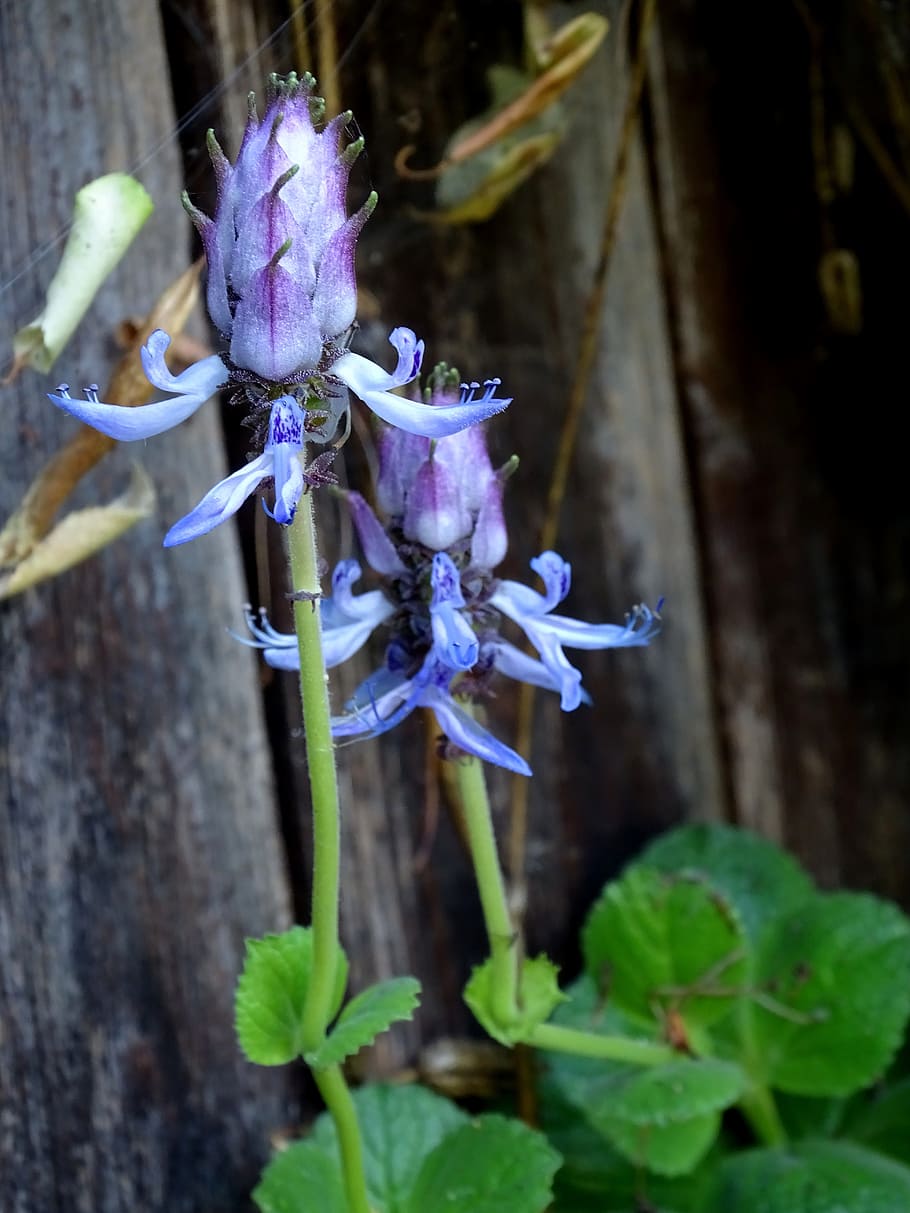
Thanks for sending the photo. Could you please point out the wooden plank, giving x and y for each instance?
(138, 841)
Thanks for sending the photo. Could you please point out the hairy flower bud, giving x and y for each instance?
(280, 246)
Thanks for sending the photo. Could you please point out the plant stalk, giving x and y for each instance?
(314, 697)
(475, 803)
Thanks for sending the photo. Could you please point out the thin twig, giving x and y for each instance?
(518, 817)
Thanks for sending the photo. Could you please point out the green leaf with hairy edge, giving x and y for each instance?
(760, 880)
(881, 1120)
(492, 1165)
(399, 1127)
(540, 995)
(374, 1010)
(810, 1177)
(663, 1117)
(301, 1179)
(271, 991)
(653, 940)
(839, 966)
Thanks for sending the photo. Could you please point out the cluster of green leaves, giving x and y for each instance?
(781, 1001)
(421, 1152)
(271, 995)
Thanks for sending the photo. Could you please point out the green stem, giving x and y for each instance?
(314, 697)
(475, 803)
(605, 1048)
(759, 1108)
(323, 783)
(337, 1097)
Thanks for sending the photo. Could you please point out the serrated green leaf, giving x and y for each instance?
(840, 965)
(662, 942)
(662, 1117)
(810, 1177)
(540, 995)
(374, 1010)
(399, 1127)
(301, 1179)
(271, 992)
(760, 880)
(492, 1165)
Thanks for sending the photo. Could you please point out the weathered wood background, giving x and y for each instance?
(739, 452)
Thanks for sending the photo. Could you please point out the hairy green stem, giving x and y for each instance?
(606, 1048)
(314, 697)
(759, 1108)
(475, 804)
(320, 751)
(337, 1097)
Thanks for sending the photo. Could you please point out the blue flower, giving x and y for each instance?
(280, 461)
(282, 292)
(548, 632)
(348, 620)
(385, 698)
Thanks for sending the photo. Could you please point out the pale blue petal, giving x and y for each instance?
(370, 606)
(517, 600)
(202, 378)
(556, 574)
(379, 703)
(515, 663)
(410, 357)
(220, 502)
(580, 635)
(129, 424)
(368, 381)
(465, 732)
(287, 657)
(564, 673)
(454, 641)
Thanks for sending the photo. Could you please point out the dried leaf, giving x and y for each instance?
(63, 471)
(490, 156)
(107, 215)
(81, 534)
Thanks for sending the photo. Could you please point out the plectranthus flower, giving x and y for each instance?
(282, 292)
(442, 608)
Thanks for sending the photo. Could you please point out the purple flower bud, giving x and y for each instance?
(280, 247)
(436, 514)
(490, 540)
(400, 455)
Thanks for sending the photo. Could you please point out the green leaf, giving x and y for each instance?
(492, 1165)
(810, 1177)
(759, 879)
(656, 941)
(301, 1179)
(399, 1127)
(663, 1117)
(540, 995)
(421, 1154)
(374, 1010)
(881, 1120)
(595, 1178)
(271, 993)
(840, 967)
